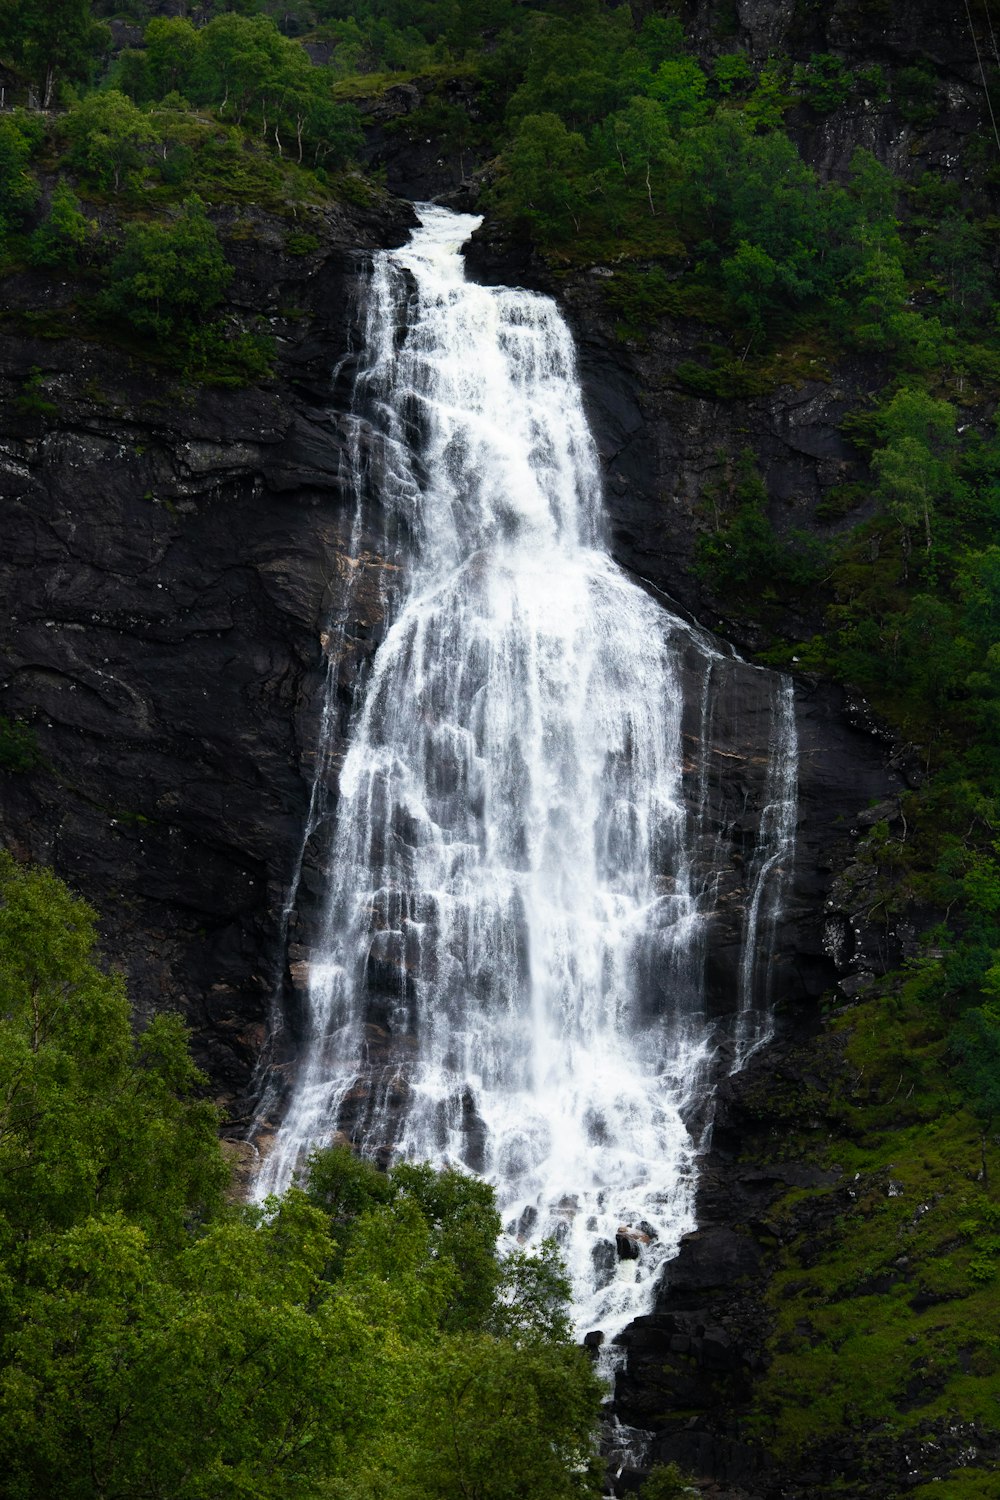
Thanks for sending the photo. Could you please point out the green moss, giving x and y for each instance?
(883, 1304)
(962, 1484)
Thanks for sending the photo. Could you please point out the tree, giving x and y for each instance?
(91, 1119)
(360, 1337)
(108, 137)
(171, 54)
(643, 144)
(542, 185)
(679, 85)
(53, 38)
(65, 235)
(976, 1045)
(495, 1421)
(18, 187)
(914, 466)
(166, 275)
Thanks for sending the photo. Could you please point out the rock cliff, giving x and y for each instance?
(170, 555)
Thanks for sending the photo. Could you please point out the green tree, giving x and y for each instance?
(109, 138)
(824, 82)
(166, 275)
(65, 235)
(53, 39)
(732, 73)
(18, 186)
(357, 1338)
(643, 147)
(171, 54)
(542, 185)
(680, 87)
(537, 1438)
(91, 1119)
(976, 1046)
(914, 466)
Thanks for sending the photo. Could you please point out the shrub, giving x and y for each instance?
(65, 235)
(823, 82)
(166, 275)
(109, 138)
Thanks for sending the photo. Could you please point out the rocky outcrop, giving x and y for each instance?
(403, 135)
(690, 1367)
(171, 556)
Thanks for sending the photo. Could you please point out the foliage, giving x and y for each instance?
(913, 465)
(167, 275)
(359, 1338)
(541, 185)
(823, 82)
(742, 555)
(215, 355)
(18, 187)
(65, 237)
(666, 1482)
(32, 400)
(91, 1120)
(245, 69)
(53, 40)
(109, 139)
(915, 94)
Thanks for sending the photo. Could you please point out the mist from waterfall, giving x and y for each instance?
(519, 890)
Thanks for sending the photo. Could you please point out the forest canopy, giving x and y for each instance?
(357, 1337)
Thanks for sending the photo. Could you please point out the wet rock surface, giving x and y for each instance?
(171, 557)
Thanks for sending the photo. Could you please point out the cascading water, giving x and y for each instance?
(519, 891)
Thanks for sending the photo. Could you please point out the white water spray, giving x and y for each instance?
(515, 911)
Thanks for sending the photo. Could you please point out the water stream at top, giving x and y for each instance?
(516, 895)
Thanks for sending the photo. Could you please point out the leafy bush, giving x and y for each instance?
(167, 275)
(824, 82)
(915, 94)
(110, 139)
(31, 399)
(216, 355)
(732, 73)
(299, 243)
(743, 555)
(725, 378)
(18, 187)
(65, 235)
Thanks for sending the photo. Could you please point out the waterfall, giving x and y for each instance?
(520, 879)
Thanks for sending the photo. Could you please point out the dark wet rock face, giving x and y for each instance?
(171, 556)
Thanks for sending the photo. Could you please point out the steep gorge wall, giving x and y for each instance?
(170, 554)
